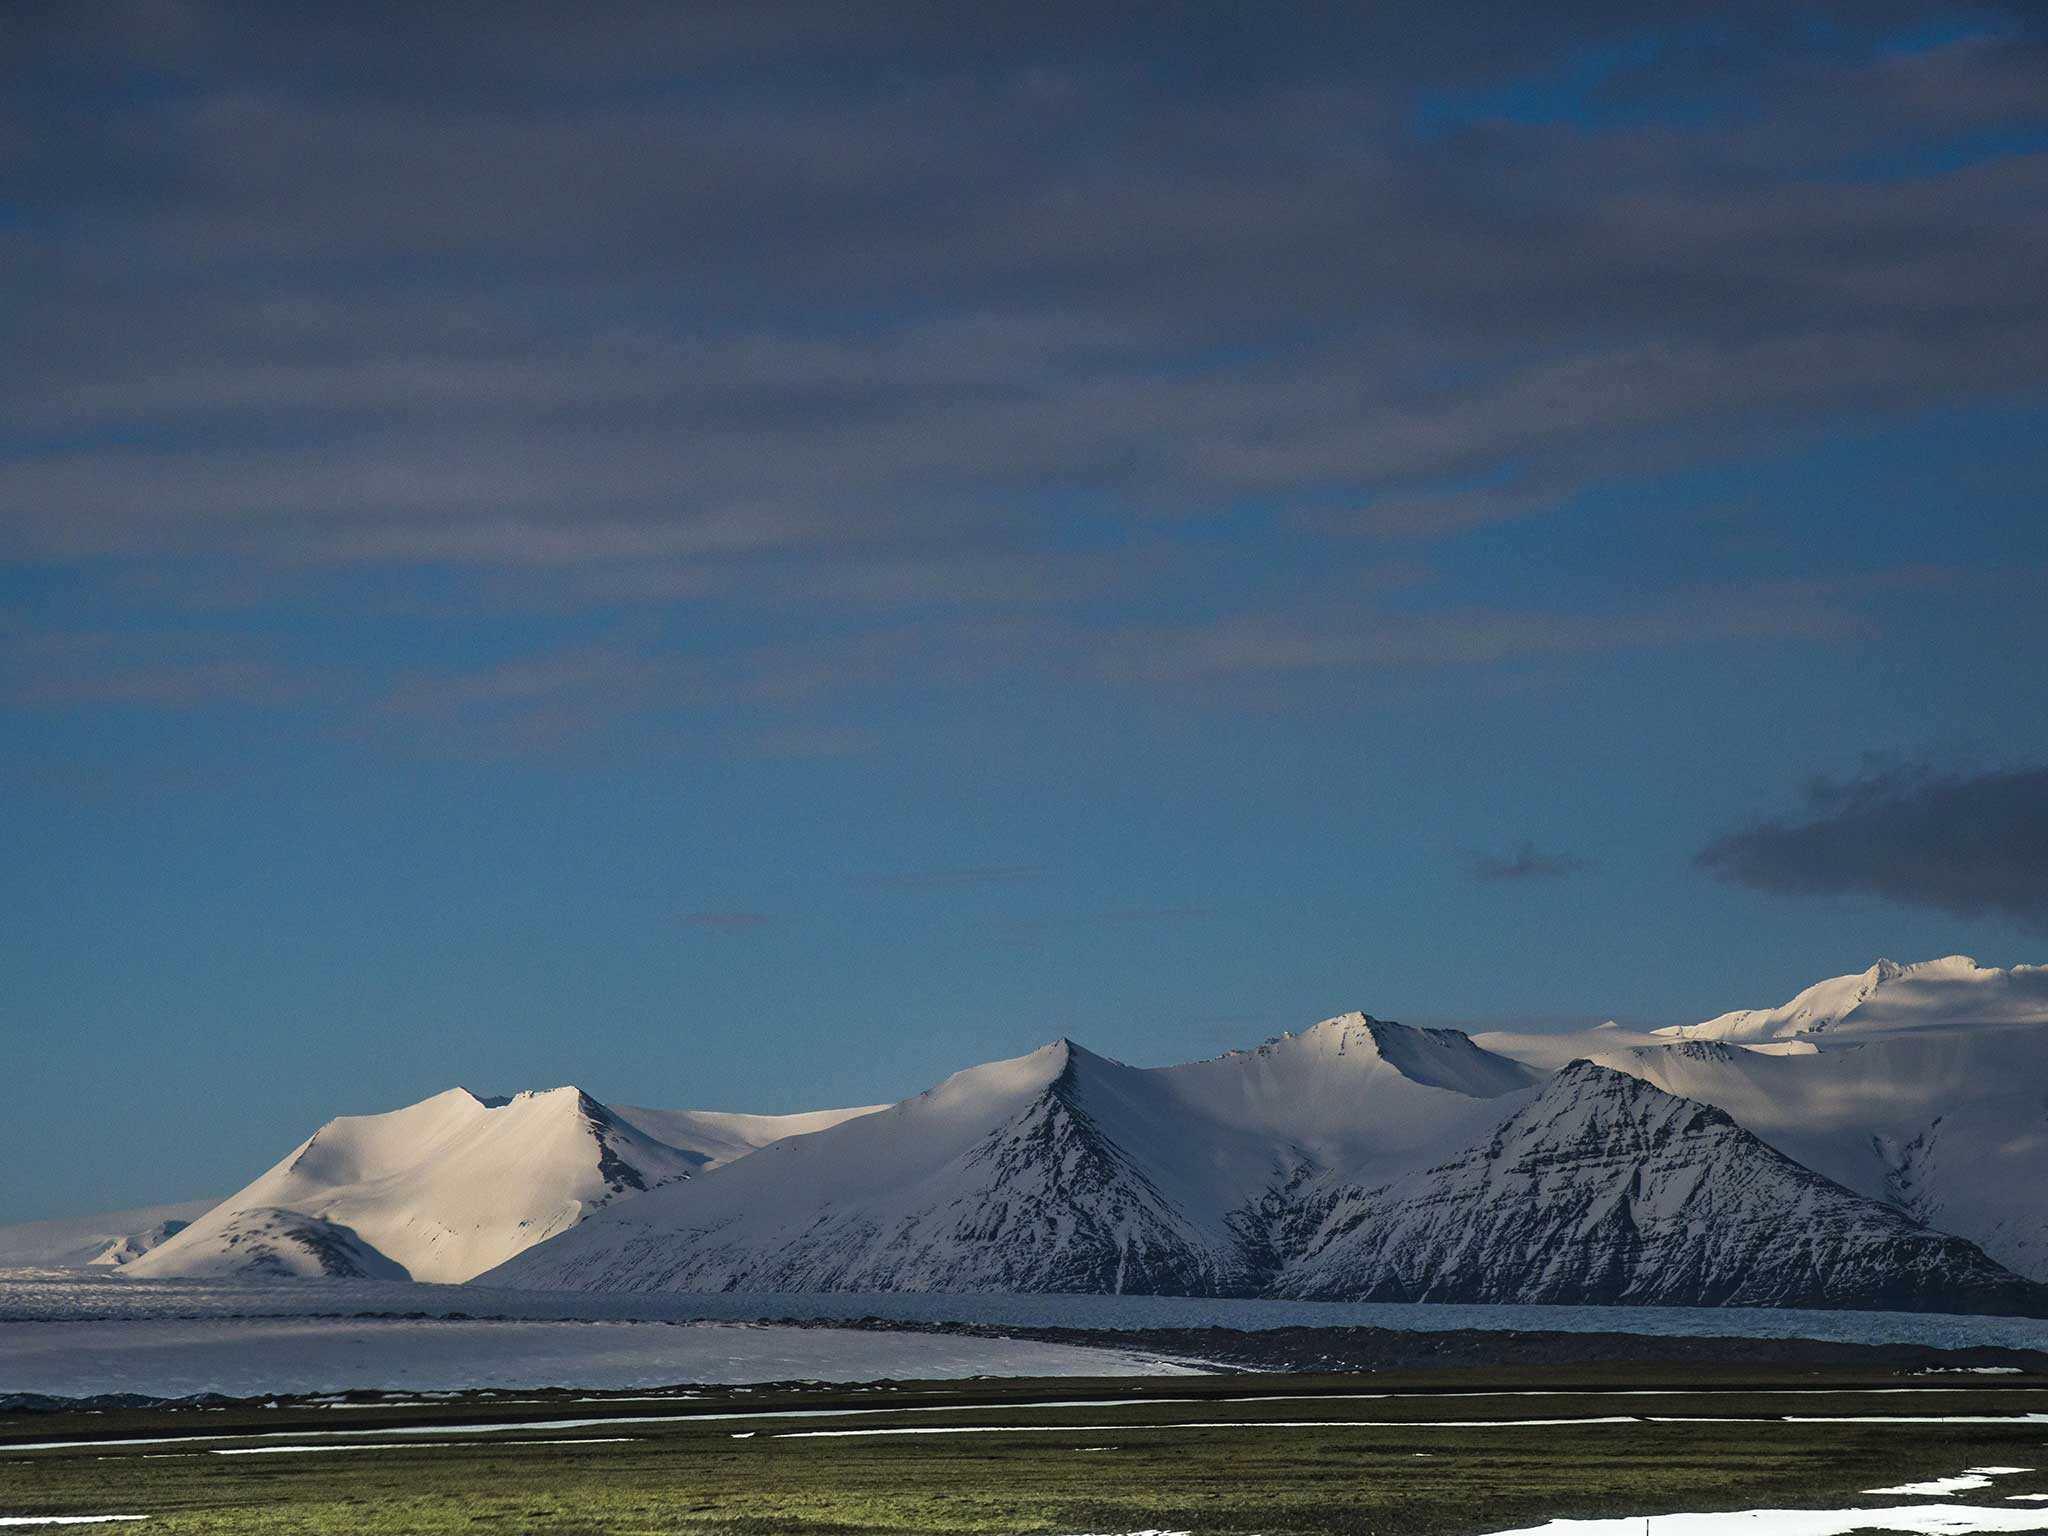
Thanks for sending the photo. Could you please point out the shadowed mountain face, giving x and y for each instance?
(1948, 1125)
(1607, 1190)
(267, 1242)
(1063, 1171)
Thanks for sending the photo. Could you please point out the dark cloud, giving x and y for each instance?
(1526, 862)
(744, 288)
(1966, 843)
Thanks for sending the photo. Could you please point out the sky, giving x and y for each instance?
(752, 556)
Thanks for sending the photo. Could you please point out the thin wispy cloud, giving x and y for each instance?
(963, 877)
(1524, 862)
(1128, 917)
(919, 296)
(730, 922)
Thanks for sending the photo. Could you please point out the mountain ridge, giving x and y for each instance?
(1605, 1190)
(1357, 1156)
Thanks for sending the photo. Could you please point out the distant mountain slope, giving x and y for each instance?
(1606, 1190)
(268, 1241)
(107, 1239)
(1950, 1125)
(441, 1190)
(1056, 1171)
(1952, 991)
(719, 1138)
(1922, 1085)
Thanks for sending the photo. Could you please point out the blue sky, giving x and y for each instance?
(745, 562)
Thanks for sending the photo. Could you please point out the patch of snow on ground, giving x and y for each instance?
(1918, 1519)
(1973, 1477)
(1970, 1370)
(1060, 1429)
(410, 1445)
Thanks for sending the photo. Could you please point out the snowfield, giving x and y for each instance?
(73, 1296)
(253, 1357)
(1931, 1519)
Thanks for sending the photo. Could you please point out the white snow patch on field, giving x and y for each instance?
(1080, 1429)
(250, 1357)
(1962, 1482)
(1918, 1519)
(413, 1445)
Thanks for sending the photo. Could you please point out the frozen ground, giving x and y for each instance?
(166, 1357)
(60, 1295)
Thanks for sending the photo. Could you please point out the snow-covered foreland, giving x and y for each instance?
(255, 1357)
(1881, 1140)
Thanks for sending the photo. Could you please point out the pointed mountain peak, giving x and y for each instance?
(1019, 1076)
(1433, 1058)
(1340, 1035)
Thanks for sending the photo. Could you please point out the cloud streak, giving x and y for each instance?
(730, 922)
(966, 877)
(530, 307)
(1525, 862)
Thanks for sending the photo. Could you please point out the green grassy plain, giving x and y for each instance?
(1383, 1470)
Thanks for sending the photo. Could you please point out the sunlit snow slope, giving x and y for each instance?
(1888, 997)
(449, 1187)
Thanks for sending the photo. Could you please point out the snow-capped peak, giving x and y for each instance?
(454, 1185)
(1951, 990)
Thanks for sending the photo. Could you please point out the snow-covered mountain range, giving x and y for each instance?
(1060, 1170)
(1881, 1140)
